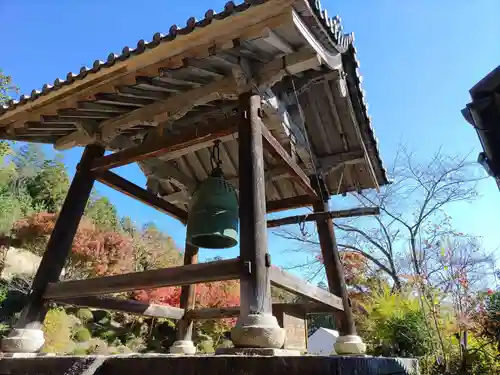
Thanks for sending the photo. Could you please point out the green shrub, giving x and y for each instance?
(82, 335)
(394, 325)
(85, 315)
(101, 316)
(57, 330)
(136, 344)
(108, 335)
(206, 346)
(97, 346)
(80, 351)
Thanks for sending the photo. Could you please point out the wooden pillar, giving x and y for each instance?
(61, 240)
(255, 284)
(334, 269)
(185, 326)
(256, 326)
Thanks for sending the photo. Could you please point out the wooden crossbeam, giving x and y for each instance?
(274, 147)
(232, 312)
(290, 203)
(126, 305)
(120, 184)
(169, 147)
(291, 283)
(362, 211)
(213, 313)
(229, 269)
(170, 109)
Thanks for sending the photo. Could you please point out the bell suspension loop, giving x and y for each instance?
(215, 160)
(213, 212)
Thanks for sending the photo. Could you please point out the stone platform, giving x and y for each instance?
(205, 365)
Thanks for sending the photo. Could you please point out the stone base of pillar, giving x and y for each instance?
(258, 331)
(183, 347)
(349, 344)
(264, 352)
(23, 340)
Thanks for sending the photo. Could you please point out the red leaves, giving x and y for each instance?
(95, 252)
(354, 265)
(210, 295)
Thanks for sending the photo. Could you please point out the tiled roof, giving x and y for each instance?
(333, 25)
(327, 29)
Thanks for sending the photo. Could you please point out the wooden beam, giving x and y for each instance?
(171, 108)
(334, 269)
(363, 211)
(277, 150)
(132, 190)
(61, 239)
(168, 146)
(278, 42)
(188, 297)
(229, 269)
(329, 163)
(290, 203)
(126, 305)
(255, 289)
(176, 106)
(213, 313)
(233, 312)
(73, 139)
(291, 283)
(243, 25)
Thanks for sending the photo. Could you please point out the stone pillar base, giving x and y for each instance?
(349, 344)
(263, 352)
(23, 340)
(183, 347)
(258, 331)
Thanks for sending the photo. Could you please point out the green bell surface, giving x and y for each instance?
(213, 214)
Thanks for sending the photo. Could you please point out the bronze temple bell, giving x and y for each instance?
(213, 212)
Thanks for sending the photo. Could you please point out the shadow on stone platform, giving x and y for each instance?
(206, 365)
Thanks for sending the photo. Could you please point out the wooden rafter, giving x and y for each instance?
(330, 163)
(171, 108)
(169, 147)
(244, 25)
(277, 150)
(362, 211)
(132, 190)
(220, 270)
(175, 106)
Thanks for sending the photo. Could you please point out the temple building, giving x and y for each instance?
(253, 110)
(483, 113)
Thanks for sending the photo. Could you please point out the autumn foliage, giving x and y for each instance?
(102, 252)
(216, 294)
(97, 252)
(354, 264)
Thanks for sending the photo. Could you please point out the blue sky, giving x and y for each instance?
(418, 60)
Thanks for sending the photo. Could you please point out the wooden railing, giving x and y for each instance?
(86, 292)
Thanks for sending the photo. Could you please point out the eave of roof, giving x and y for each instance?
(329, 33)
(484, 114)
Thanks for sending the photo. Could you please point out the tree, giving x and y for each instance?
(95, 252)
(49, 186)
(102, 212)
(153, 249)
(6, 88)
(415, 200)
